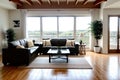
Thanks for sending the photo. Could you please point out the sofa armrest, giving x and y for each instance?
(19, 50)
(15, 56)
(76, 47)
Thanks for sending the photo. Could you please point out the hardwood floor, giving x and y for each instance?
(105, 67)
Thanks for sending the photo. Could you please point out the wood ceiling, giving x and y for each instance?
(57, 4)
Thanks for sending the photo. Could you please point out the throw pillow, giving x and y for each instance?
(43, 41)
(30, 43)
(68, 43)
(20, 46)
(47, 43)
(72, 42)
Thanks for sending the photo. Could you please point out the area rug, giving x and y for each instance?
(73, 63)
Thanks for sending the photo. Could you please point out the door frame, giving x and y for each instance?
(118, 30)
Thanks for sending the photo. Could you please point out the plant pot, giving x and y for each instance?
(97, 49)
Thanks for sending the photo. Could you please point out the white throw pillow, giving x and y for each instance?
(30, 43)
(72, 42)
(47, 43)
(43, 41)
(68, 43)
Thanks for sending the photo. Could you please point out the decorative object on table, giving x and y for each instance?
(80, 42)
(16, 23)
(81, 36)
(10, 35)
(97, 29)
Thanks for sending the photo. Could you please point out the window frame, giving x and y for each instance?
(74, 25)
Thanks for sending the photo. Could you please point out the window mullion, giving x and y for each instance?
(74, 34)
(57, 27)
(41, 29)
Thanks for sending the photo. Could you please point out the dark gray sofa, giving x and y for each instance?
(74, 49)
(18, 56)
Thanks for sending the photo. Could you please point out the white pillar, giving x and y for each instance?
(95, 15)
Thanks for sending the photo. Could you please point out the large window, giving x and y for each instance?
(113, 32)
(33, 28)
(49, 26)
(58, 27)
(66, 26)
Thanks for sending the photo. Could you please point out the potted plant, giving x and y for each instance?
(10, 35)
(80, 42)
(97, 29)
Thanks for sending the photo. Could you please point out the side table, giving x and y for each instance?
(82, 50)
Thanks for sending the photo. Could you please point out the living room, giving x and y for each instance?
(9, 13)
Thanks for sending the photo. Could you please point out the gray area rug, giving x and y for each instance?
(73, 63)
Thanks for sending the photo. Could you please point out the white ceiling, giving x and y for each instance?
(109, 4)
(112, 4)
(6, 4)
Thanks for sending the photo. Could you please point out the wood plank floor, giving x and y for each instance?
(105, 67)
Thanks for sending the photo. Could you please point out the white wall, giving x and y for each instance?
(7, 4)
(18, 15)
(4, 25)
(106, 13)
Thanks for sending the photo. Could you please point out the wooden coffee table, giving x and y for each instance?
(58, 53)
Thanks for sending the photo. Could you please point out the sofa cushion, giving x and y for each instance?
(33, 49)
(58, 42)
(23, 42)
(70, 42)
(47, 43)
(30, 43)
(43, 41)
(20, 46)
(13, 44)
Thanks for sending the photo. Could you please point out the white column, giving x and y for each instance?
(23, 22)
(95, 15)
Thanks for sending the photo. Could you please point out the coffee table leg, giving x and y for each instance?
(67, 58)
(49, 58)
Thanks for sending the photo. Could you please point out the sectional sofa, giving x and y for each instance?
(20, 52)
(24, 51)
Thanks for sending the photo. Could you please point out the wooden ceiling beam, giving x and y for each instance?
(97, 2)
(18, 2)
(62, 5)
(39, 2)
(58, 1)
(49, 1)
(85, 2)
(29, 2)
(67, 1)
(76, 2)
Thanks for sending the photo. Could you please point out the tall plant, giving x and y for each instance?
(10, 35)
(97, 29)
